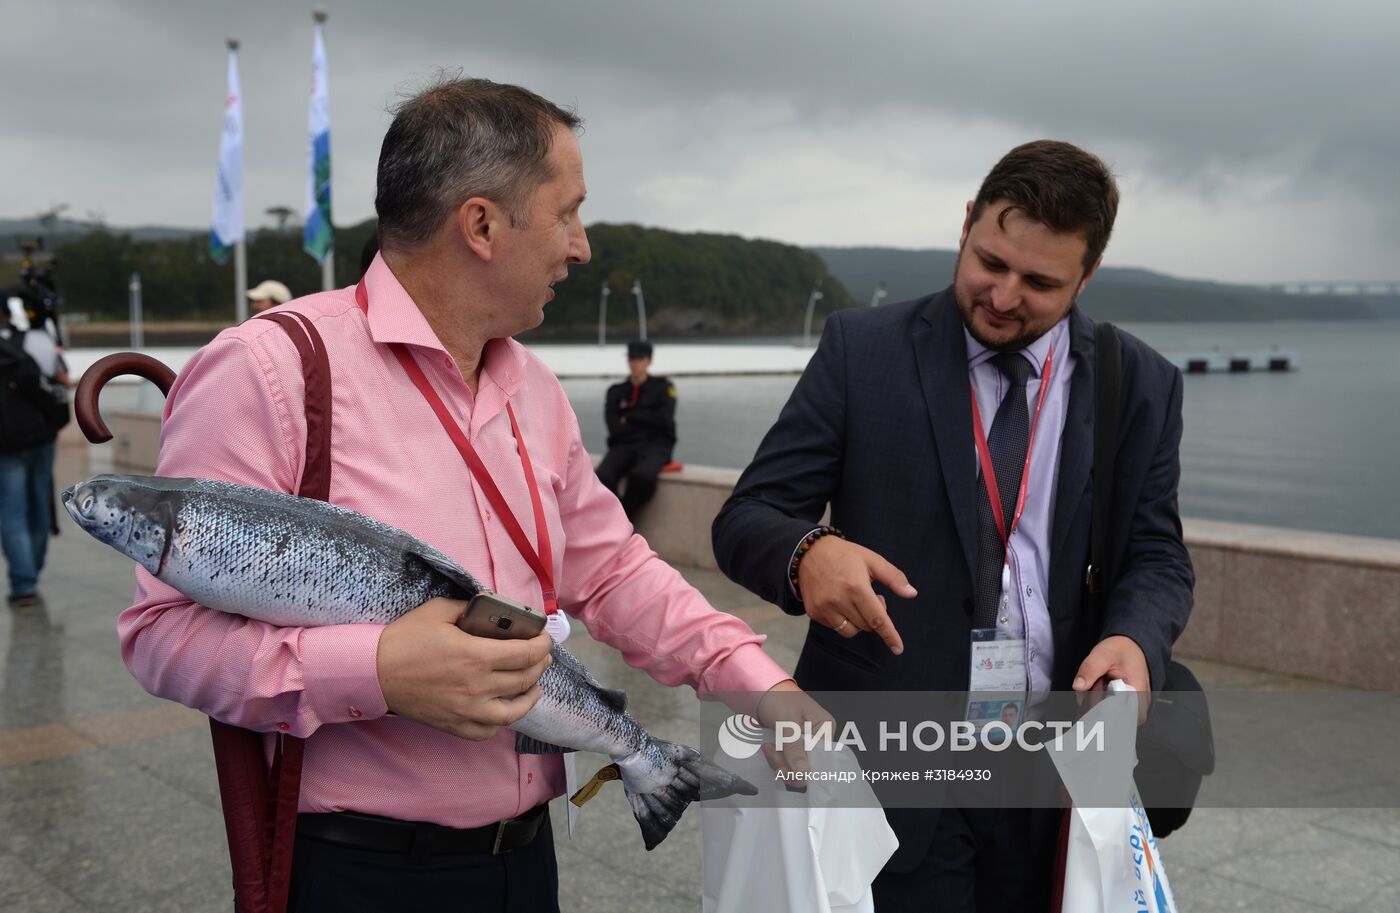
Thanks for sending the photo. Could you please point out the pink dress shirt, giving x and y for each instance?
(236, 413)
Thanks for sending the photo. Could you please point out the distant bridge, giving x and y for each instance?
(1339, 287)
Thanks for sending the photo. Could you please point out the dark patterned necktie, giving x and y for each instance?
(1007, 441)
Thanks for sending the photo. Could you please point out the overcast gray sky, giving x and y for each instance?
(1254, 141)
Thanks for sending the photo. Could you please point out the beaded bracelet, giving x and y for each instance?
(802, 549)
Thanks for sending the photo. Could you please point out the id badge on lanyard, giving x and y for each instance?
(997, 680)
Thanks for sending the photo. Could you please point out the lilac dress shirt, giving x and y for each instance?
(1029, 551)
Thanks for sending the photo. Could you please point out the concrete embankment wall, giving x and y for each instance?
(1316, 605)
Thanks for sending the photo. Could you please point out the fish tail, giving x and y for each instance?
(659, 811)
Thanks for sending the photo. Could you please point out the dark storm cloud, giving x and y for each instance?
(1202, 107)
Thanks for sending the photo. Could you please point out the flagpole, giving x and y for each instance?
(240, 281)
(318, 236)
(240, 252)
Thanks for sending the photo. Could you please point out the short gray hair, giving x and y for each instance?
(457, 139)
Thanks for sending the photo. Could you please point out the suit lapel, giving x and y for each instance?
(1077, 442)
(941, 354)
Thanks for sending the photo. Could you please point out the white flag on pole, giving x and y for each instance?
(228, 189)
(318, 236)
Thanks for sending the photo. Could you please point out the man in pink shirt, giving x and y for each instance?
(479, 189)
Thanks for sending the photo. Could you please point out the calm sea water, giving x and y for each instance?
(1318, 448)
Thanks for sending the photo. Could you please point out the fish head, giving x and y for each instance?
(134, 519)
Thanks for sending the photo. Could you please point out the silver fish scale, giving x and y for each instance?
(570, 705)
(296, 561)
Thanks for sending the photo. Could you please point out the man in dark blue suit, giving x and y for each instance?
(897, 422)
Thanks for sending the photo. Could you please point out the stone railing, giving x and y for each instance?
(1315, 605)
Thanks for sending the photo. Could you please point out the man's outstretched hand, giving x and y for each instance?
(834, 579)
(1116, 657)
(785, 702)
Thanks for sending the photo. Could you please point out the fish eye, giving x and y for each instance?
(86, 504)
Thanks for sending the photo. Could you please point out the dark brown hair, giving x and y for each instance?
(1058, 185)
(457, 139)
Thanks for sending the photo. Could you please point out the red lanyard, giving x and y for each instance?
(541, 561)
(984, 455)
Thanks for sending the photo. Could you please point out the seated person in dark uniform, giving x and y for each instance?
(641, 414)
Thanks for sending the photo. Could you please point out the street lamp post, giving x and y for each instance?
(138, 333)
(641, 308)
(603, 314)
(811, 310)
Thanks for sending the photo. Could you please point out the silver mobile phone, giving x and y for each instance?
(493, 615)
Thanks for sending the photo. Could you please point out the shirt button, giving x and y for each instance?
(355, 712)
(529, 778)
(487, 515)
(283, 727)
(1028, 591)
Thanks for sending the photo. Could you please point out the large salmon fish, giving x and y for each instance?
(298, 562)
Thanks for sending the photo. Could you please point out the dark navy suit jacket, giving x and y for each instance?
(880, 427)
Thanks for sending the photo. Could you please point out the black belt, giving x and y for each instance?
(390, 835)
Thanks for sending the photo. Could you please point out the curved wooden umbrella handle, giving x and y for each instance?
(96, 377)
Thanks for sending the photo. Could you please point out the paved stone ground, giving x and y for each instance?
(108, 800)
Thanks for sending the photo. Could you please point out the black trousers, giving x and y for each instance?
(639, 464)
(329, 878)
(981, 860)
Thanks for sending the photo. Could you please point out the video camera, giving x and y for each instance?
(38, 289)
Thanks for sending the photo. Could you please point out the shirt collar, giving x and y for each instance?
(394, 318)
(1035, 353)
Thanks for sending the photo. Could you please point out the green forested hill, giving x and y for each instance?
(1115, 293)
(692, 283)
(179, 280)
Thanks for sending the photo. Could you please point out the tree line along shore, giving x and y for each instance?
(694, 284)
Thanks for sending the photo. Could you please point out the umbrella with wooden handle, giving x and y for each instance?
(97, 376)
(243, 786)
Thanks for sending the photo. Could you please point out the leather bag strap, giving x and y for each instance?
(260, 807)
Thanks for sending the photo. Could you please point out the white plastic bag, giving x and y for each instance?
(812, 858)
(1112, 864)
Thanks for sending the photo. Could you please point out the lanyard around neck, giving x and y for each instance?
(541, 561)
(984, 455)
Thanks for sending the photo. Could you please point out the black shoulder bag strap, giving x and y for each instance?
(1175, 746)
(1108, 370)
(1108, 375)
